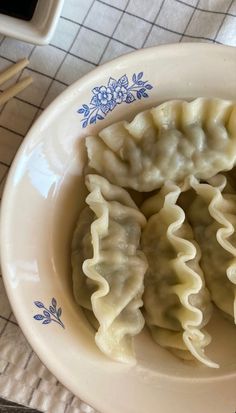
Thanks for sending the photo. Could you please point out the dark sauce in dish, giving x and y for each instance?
(21, 9)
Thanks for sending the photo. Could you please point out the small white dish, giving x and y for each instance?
(40, 206)
(39, 30)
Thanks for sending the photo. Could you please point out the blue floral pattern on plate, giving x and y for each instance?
(49, 314)
(106, 98)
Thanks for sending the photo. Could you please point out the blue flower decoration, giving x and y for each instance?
(49, 314)
(106, 98)
(120, 94)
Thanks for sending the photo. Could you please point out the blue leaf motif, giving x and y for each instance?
(123, 81)
(139, 95)
(134, 78)
(38, 317)
(47, 321)
(49, 315)
(46, 313)
(86, 110)
(52, 310)
(81, 110)
(85, 123)
(142, 90)
(93, 119)
(145, 95)
(54, 302)
(130, 98)
(140, 75)
(112, 83)
(100, 117)
(39, 304)
(140, 83)
(148, 86)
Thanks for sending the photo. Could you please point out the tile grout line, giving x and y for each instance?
(74, 55)
(4, 164)
(68, 403)
(28, 359)
(154, 21)
(13, 131)
(114, 30)
(191, 18)
(33, 391)
(94, 30)
(18, 77)
(5, 325)
(5, 173)
(3, 183)
(223, 20)
(6, 367)
(8, 404)
(10, 321)
(30, 396)
(25, 101)
(206, 11)
(178, 1)
(67, 52)
(154, 24)
(36, 71)
(4, 37)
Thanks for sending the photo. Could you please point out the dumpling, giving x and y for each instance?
(213, 218)
(109, 266)
(177, 304)
(82, 249)
(230, 186)
(169, 142)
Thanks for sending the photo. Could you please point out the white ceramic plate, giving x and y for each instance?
(42, 198)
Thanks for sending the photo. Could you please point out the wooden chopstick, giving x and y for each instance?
(7, 74)
(15, 89)
(13, 70)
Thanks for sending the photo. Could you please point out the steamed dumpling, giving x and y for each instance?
(213, 217)
(109, 267)
(169, 142)
(82, 249)
(176, 301)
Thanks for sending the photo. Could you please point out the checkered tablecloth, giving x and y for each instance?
(89, 33)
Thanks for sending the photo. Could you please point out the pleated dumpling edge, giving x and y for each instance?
(176, 301)
(114, 272)
(213, 218)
